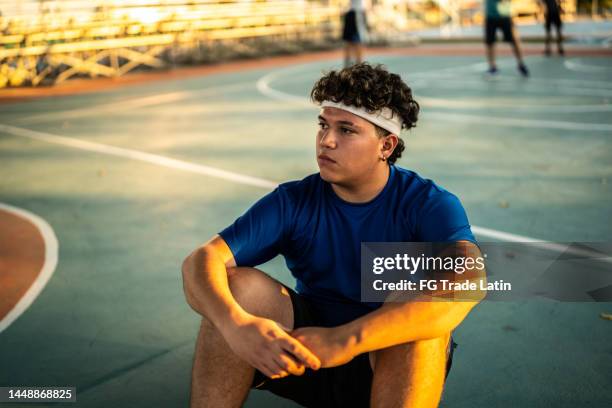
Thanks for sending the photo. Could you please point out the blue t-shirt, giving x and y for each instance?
(320, 235)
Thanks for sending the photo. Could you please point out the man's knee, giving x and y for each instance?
(416, 352)
(260, 295)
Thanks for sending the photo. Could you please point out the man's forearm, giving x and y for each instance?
(397, 323)
(206, 287)
(419, 316)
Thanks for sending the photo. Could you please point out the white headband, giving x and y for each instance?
(385, 118)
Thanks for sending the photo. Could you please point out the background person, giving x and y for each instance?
(354, 33)
(498, 17)
(552, 17)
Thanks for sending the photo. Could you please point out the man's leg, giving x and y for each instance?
(410, 375)
(547, 40)
(516, 46)
(491, 56)
(347, 54)
(219, 377)
(358, 53)
(515, 40)
(559, 38)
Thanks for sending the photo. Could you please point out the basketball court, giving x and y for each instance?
(106, 192)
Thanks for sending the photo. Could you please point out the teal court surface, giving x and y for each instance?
(129, 180)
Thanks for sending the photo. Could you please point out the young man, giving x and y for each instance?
(354, 33)
(498, 16)
(552, 16)
(320, 345)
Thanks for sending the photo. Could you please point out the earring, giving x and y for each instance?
(383, 158)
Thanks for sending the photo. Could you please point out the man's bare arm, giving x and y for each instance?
(260, 342)
(418, 317)
(206, 285)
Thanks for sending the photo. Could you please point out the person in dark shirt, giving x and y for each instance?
(320, 344)
(354, 32)
(552, 17)
(498, 16)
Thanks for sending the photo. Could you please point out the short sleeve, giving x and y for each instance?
(443, 219)
(258, 235)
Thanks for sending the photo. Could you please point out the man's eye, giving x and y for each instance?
(322, 125)
(347, 130)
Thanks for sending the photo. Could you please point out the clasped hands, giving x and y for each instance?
(278, 352)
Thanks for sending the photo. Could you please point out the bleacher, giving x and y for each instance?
(50, 41)
(110, 38)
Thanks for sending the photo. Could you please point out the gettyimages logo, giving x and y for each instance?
(412, 264)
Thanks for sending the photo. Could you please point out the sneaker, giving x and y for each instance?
(561, 52)
(523, 70)
(492, 71)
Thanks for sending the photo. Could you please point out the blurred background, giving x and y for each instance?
(49, 41)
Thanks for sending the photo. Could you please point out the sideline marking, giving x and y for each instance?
(50, 263)
(516, 122)
(533, 91)
(576, 64)
(242, 179)
(123, 105)
(481, 103)
(551, 246)
(138, 155)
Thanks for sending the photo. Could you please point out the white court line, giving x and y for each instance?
(263, 86)
(134, 103)
(485, 103)
(263, 83)
(575, 64)
(242, 179)
(517, 122)
(270, 77)
(138, 155)
(533, 90)
(594, 84)
(104, 108)
(51, 256)
(550, 246)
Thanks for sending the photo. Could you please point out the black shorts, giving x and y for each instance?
(494, 23)
(348, 385)
(552, 19)
(351, 32)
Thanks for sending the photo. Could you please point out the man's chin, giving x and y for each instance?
(328, 176)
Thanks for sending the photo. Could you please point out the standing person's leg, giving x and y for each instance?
(358, 53)
(347, 54)
(558, 28)
(219, 377)
(411, 374)
(511, 36)
(547, 39)
(516, 47)
(490, 29)
(349, 34)
(361, 35)
(491, 57)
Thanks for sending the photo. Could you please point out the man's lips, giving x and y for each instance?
(326, 158)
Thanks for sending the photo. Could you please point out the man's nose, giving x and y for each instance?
(327, 139)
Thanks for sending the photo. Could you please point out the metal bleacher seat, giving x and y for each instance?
(112, 38)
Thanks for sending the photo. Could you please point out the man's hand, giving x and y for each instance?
(266, 346)
(330, 345)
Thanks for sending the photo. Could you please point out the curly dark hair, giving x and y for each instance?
(373, 88)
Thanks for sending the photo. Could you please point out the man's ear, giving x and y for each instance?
(389, 143)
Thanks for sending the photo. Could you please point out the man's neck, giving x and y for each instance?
(362, 192)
